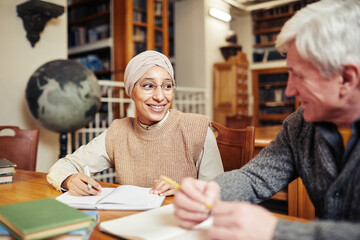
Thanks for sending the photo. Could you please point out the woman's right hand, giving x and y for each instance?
(77, 184)
(162, 188)
(189, 202)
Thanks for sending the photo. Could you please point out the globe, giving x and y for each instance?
(63, 95)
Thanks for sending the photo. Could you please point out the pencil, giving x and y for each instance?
(87, 172)
(178, 187)
(171, 182)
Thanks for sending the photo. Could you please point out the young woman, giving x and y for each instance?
(159, 141)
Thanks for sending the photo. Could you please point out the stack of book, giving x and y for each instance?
(45, 219)
(79, 234)
(7, 170)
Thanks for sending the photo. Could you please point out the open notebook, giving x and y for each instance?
(125, 197)
(156, 224)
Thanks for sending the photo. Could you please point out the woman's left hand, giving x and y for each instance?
(162, 188)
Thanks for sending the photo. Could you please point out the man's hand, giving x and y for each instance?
(240, 220)
(190, 201)
(78, 185)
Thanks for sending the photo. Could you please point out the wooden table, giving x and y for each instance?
(264, 135)
(28, 185)
(299, 203)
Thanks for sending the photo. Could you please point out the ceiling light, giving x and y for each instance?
(223, 16)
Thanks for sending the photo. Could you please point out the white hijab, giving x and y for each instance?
(142, 63)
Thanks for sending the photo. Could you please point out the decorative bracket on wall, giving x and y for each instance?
(35, 14)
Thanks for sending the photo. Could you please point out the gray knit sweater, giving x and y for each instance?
(300, 150)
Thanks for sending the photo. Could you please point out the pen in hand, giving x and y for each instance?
(87, 173)
(178, 187)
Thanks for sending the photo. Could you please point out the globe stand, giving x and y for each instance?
(63, 145)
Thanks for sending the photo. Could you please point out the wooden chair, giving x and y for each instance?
(236, 146)
(20, 147)
(239, 122)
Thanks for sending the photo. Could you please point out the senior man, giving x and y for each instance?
(318, 143)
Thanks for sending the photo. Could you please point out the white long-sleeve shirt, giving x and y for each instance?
(95, 156)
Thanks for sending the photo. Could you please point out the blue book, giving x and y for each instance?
(79, 234)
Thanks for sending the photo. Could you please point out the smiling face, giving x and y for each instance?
(152, 107)
(319, 96)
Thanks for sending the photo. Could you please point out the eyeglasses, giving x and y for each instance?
(150, 87)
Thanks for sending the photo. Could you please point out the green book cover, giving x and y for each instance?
(42, 218)
(6, 163)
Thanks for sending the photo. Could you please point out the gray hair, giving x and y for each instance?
(326, 33)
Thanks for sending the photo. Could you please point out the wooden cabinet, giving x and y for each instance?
(141, 25)
(106, 34)
(271, 106)
(230, 88)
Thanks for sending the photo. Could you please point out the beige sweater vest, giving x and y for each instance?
(140, 156)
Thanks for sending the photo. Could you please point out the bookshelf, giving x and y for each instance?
(89, 35)
(267, 24)
(105, 34)
(271, 106)
(230, 88)
(269, 74)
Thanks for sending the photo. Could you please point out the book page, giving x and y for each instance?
(83, 202)
(129, 197)
(156, 224)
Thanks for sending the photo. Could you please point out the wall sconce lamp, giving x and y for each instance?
(223, 16)
(35, 14)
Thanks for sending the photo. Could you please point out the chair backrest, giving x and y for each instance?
(20, 146)
(239, 122)
(236, 146)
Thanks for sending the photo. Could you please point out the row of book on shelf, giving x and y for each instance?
(291, 8)
(158, 38)
(158, 8)
(272, 24)
(272, 94)
(158, 21)
(93, 62)
(82, 35)
(7, 170)
(281, 109)
(139, 16)
(139, 4)
(139, 34)
(85, 10)
(266, 38)
(266, 54)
